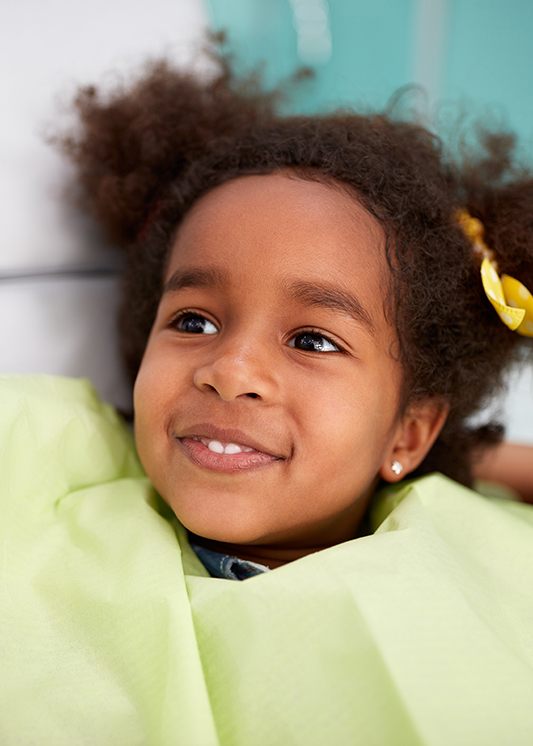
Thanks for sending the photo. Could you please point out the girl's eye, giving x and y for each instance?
(193, 323)
(313, 342)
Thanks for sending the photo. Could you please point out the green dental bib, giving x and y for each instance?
(112, 634)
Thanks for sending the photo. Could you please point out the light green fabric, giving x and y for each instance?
(112, 633)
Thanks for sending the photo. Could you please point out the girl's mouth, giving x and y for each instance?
(218, 455)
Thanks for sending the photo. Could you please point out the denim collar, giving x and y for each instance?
(221, 565)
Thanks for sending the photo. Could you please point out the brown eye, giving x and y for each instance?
(194, 323)
(313, 342)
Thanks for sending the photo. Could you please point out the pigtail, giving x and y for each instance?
(507, 213)
(136, 139)
(492, 187)
(499, 191)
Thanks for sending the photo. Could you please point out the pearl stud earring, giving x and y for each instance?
(396, 467)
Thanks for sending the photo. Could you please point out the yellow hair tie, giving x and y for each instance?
(512, 300)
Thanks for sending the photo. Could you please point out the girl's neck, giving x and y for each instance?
(270, 555)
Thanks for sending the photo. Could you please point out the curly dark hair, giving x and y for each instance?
(146, 152)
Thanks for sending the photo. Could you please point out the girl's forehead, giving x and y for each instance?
(286, 224)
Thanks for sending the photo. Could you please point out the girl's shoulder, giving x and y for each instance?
(443, 518)
(57, 436)
(18, 392)
(440, 496)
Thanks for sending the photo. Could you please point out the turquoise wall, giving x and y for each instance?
(475, 54)
(488, 58)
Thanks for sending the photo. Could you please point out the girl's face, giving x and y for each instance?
(267, 400)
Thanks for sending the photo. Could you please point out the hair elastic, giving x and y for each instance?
(510, 298)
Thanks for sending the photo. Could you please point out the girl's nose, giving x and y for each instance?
(237, 372)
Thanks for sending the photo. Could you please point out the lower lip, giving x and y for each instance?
(200, 455)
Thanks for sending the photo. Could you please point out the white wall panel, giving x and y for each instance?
(47, 49)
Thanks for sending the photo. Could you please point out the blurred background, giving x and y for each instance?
(464, 60)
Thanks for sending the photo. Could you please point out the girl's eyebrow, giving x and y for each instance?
(195, 277)
(318, 294)
(332, 298)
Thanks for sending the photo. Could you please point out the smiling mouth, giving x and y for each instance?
(225, 455)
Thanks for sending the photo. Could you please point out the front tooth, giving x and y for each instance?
(232, 448)
(229, 448)
(215, 446)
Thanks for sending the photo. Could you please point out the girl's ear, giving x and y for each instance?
(416, 432)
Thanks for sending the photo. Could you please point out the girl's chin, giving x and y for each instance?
(222, 524)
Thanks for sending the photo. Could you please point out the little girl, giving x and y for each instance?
(305, 320)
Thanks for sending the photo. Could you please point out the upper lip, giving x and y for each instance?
(226, 435)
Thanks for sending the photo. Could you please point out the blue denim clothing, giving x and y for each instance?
(221, 565)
